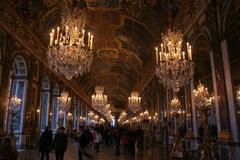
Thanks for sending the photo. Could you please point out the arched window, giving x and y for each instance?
(18, 88)
(45, 102)
(56, 94)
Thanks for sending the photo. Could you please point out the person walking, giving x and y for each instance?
(125, 141)
(84, 141)
(132, 139)
(140, 138)
(117, 139)
(97, 140)
(60, 144)
(45, 143)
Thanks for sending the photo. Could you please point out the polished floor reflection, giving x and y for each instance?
(106, 153)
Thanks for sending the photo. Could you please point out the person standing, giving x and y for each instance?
(140, 138)
(45, 143)
(60, 143)
(132, 139)
(97, 140)
(117, 139)
(165, 131)
(125, 141)
(84, 141)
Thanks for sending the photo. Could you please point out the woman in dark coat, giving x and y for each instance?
(45, 143)
(60, 143)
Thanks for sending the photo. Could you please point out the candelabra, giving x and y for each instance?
(174, 67)
(203, 100)
(14, 105)
(177, 147)
(134, 102)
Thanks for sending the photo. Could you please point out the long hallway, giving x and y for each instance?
(106, 153)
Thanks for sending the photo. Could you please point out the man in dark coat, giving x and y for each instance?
(60, 143)
(45, 143)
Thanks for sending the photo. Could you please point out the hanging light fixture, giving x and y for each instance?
(64, 101)
(134, 102)
(202, 98)
(175, 105)
(99, 100)
(122, 118)
(70, 47)
(14, 103)
(174, 66)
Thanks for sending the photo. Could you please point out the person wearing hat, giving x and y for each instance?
(60, 144)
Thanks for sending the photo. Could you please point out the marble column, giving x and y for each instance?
(194, 116)
(221, 85)
(215, 91)
(228, 82)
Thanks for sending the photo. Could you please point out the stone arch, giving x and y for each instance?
(201, 56)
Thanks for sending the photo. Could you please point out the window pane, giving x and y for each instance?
(45, 103)
(55, 113)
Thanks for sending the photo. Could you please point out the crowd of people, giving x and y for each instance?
(93, 137)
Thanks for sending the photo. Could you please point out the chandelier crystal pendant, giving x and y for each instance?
(70, 47)
(99, 100)
(174, 66)
(134, 102)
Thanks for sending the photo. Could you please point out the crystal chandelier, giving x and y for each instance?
(70, 48)
(123, 117)
(109, 117)
(14, 103)
(176, 106)
(99, 100)
(175, 103)
(101, 121)
(134, 102)
(238, 96)
(174, 67)
(64, 101)
(202, 97)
